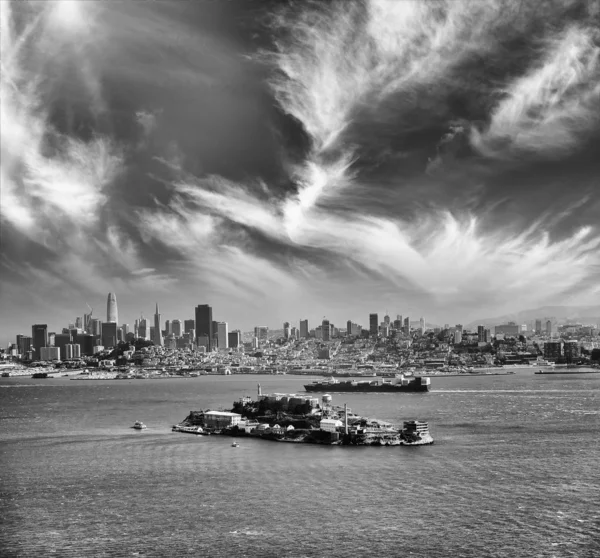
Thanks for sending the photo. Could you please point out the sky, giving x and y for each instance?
(289, 160)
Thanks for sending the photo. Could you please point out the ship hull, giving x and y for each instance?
(382, 388)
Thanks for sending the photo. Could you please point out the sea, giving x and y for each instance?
(514, 472)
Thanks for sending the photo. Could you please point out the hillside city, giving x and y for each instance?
(201, 345)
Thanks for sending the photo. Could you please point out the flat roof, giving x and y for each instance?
(222, 413)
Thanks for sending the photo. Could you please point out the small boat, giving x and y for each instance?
(235, 445)
(138, 425)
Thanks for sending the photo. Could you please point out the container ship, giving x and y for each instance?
(399, 383)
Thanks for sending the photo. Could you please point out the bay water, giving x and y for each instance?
(514, 471)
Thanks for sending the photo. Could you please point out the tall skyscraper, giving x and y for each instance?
(222, 335)
(422, 324)
(176, 328)
(538, 326)
(96, 327)
(204, 323)
(386, 320)
(407, 325)
(158, 339)
(286, 330)
(168, 328)
(373, 324)
(39, 336)
(189, 325)
(125, 328)
(548, 328)
(261, 333)
(304, 329)
(111, 308)
(78, 323)
(481, 333)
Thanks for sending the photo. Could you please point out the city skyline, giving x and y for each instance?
(434, 159)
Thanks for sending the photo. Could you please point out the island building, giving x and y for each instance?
(157, 339)
(303, 329)
(373, 324)
(204, 326)
(112, 315)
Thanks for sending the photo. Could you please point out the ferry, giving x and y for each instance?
(543, 362)
(235, 445)
(187, 429)
(138, 425)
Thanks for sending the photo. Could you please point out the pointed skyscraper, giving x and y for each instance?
(158, 340)
(111, 308)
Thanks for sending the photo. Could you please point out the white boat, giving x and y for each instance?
(138, 425)
(235, 445)
(188, 429)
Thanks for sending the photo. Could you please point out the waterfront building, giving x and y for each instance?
(222, 335)
(176, 328)
(303, 329)
(112, 316)
(204, 324)
(234, 339)
(373, 324)
(157, 339)
(553, 349)
(72, 351)
(325, 330)
(109, 334)
(39, 336)
(49, 353)
(571, 350)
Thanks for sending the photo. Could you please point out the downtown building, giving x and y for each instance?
(204, 326)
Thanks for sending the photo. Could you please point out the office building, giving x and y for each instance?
(286, 330)
(168, 329)
(325, 330)
(204, 324)
(87, 322)
(422, 324)
(49, 353)
(86, 343)
(39, 336)
(222, 335)
(109, 334)
(303, 329)
(481, 333)
(96, 327)
(553, 350)
(125, 328)
(386, 320)
(538, 327)
(457, 336)
(235, 339)
(407, 326)
(511, 329)
(112, 316)
(549, 328)
(78, 323)
(373, 324)
(143, 329)
(571, 350)
(262, 334)
(189, 326)
(72, 351)
(61, 340)
(24, 344)
(158, 338)
(176, 328)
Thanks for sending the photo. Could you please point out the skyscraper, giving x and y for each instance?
(204, 323)
(158, 339)
(548, 328)
(373, 324)
(189, 325)
(39, 336)
(538, 326)
(235, 339)
(304, 329)
(222, 335)
(176, 328)
(422, 324)
(286, 330)
(111, 308)
(407, 325)
(109, 334)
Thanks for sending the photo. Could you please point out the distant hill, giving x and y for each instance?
(588, 314)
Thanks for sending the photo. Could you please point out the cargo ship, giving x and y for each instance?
(398, 384)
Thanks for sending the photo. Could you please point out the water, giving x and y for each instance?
(514, 472)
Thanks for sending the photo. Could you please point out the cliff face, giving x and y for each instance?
(195, 418)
